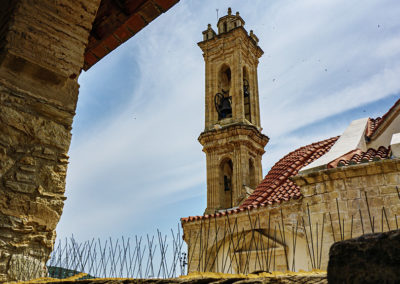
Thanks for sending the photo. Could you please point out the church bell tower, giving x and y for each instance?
(232, 138)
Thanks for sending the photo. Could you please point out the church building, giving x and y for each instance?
(331, 190)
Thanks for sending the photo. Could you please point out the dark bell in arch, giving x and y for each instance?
(223, 105)
(246, 88)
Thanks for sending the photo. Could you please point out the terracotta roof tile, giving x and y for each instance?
(375, 123)
(358, 157)
(276, 185)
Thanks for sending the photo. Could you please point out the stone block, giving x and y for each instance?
(299, 181)
(308, 190)
(316, 199)
(372, 258)
(371, 191)
(391, 201)
(43, 215)
(27, 169)
(357, 204)
(339, 184)
(355, 171)
(310, 179)
(24, 177)
(387, 190)
(20, 187)
(396, 211)
(28, 161)
(353, 194)
(320, 188)
(389, 167)
(392, 178)
(325, 176)
(316, 208)
(25, 267)
(337, 174)
(374, 168)
(375, 202)
(353, 183)
(373, 180)
(331, 196)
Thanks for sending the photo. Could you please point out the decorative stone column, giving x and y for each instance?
(42, 44)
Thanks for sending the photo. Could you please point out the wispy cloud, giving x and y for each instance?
(141, 109)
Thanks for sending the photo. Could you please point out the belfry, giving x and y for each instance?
(232, 138)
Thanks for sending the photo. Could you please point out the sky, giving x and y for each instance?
(135, 163)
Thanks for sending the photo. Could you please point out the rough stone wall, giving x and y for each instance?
(347, 185)
(372, 258)
(239, 143)
(350, 185)
(42, 46)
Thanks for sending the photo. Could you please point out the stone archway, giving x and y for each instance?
(43, 47)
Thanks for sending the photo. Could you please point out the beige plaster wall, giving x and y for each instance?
(328, 195)
(386, 136)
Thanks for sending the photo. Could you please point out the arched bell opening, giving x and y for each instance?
(225, 183)
(222, 100)
(252, 174)
(246, 95)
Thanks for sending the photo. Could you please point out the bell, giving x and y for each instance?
(227, 183)
(225, 108)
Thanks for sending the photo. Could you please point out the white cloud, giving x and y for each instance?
(390, 47)
(126, 166)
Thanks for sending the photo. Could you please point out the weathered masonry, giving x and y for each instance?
(232, 138)
(334, 189)
(44, 45)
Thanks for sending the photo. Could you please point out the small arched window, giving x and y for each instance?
(252, 174)
(225, 184)
(222, 99)
(246, 95)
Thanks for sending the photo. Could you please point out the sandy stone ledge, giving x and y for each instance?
(313, 277)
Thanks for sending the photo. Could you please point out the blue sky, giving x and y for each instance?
(135, 162)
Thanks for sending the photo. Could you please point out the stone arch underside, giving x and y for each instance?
(244, 252)
(233, 245)
(43, 48)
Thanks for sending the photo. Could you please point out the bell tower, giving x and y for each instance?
(232, 138)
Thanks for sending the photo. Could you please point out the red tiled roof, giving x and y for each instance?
(276, 186)
(375, 124)
(118, 21)
(358, 157)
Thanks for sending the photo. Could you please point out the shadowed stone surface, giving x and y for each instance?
(372, 258)
(283, 279)
(42, 44)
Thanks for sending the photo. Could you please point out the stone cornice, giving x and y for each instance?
(211, 46)
(235, 134)
(358, 170)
